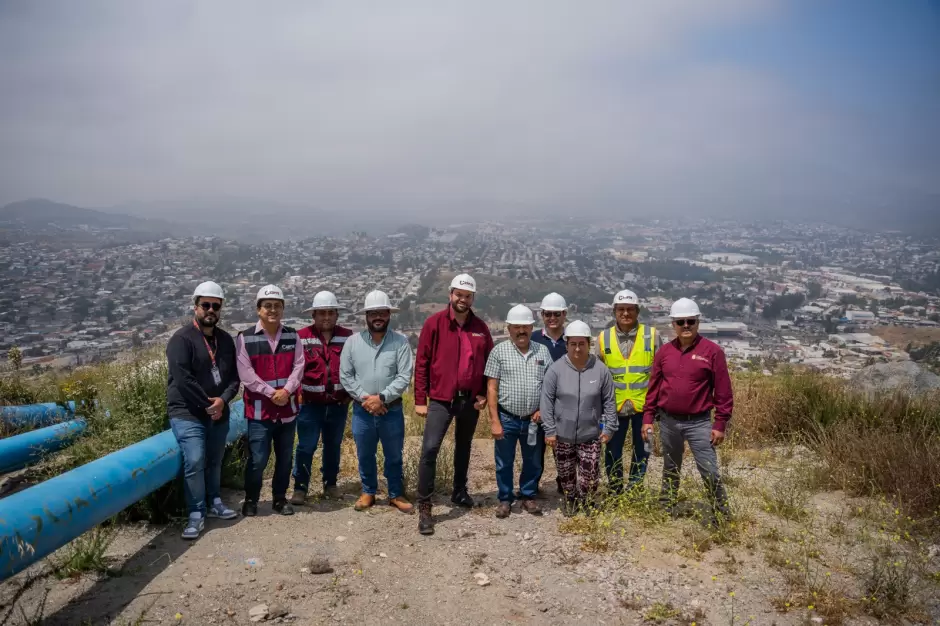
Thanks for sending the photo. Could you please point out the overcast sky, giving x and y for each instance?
(718, 107)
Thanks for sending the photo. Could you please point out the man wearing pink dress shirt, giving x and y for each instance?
(270, 362)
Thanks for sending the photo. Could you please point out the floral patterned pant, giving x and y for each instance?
(578, 467)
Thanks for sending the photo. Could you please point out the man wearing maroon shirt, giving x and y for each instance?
(689, 379)
(449, 385)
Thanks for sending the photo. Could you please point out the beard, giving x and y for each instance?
(208, 321)
(377, 326)
(460, 307)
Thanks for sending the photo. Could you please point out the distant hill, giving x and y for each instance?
(45, 216)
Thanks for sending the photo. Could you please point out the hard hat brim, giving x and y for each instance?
(320, 308)
(552, 308)
(391, 309)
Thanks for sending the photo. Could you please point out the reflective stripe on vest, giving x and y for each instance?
(314, 388)
(631, 376)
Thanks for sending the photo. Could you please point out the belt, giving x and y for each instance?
(684, 417)
(511, 414)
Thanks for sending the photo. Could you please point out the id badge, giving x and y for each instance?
(216, 375)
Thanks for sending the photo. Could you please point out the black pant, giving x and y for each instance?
(261, 436)
(438, 421)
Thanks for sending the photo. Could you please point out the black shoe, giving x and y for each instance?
(283, 507)
(561, 491)
(425, 521)
(462, 498)
(249, 509)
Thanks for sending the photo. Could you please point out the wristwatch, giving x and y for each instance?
(383, 398)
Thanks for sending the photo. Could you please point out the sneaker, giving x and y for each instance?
(282, 506)
(219, 511)
(503, 509)
(298, 498)
(462, 498)
(194, 526)
(531, 506)
(250, 508)
(425, 520)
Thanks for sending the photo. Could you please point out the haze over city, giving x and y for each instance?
(449, 111)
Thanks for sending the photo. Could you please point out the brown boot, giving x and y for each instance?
(425, 521)
(401, 504)
(299, 498)
(531, 506)
(364, 502)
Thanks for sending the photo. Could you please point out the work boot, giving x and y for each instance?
(503, 509)
(282, 506)
(462, 498)
(425, 521)
(299, 498)
(364, 502)
(401, 504)
(332, 492)
(531, 506)
(250, 508)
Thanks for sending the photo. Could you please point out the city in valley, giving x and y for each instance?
(772, 294)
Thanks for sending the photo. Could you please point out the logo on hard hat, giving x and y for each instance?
(466, 282)
(268, 292)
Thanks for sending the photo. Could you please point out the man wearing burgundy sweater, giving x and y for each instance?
(689, 379)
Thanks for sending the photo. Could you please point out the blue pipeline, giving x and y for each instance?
(21, 450)
(35, 415)
(38, 521)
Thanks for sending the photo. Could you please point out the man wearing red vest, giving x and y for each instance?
(325, 402)
(270, 365)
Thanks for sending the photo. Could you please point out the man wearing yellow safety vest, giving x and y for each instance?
(627, 349)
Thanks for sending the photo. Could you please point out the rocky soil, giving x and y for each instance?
(330, 564)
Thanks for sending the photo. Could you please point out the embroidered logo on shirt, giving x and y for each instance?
(591, 382)
(696, 357)
(476, 334)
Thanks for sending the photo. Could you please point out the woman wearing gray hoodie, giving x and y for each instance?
(578, 414)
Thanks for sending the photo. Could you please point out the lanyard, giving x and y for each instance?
(206, 341)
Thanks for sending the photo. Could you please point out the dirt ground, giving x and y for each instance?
(794, 556)
(900, 336)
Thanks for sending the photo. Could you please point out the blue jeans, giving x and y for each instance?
(261, 434)
(516, 431)
(203, 444)
(368, 430)
(314, 420)
(613, 454)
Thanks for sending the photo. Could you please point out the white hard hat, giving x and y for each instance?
(269, 292)
(208, 289)
(577, 328)
(324, 300)
(553, 302)
(521, 315)
(465, 282)
(684, 307)
(626, 297)
(376, 300)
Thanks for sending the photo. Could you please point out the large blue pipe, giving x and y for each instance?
(38, 521)
(21, 450)
(35, 415)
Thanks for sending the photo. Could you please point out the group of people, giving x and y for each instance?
(548, 389)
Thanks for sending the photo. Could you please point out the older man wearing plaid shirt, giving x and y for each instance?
(515, 369)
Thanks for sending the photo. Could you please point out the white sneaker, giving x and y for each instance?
(219, 511)
(194, 526)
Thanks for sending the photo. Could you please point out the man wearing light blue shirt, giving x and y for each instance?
(375, 369)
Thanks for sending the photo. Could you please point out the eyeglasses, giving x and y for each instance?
(552, 313)
(272, 306)
(215, 306)
(690, 323)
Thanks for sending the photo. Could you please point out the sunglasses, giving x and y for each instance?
(215, 306)
(690, 323)
(552, 313)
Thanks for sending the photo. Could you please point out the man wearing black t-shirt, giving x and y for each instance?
(203, 379)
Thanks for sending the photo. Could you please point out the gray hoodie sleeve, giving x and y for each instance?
(547, 403)
(608, 403)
